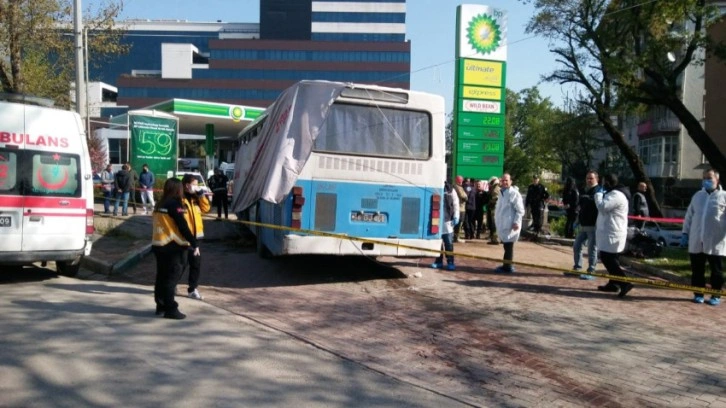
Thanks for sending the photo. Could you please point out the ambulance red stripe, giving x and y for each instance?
(49, 214)
(42, 202)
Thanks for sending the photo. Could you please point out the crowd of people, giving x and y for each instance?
(602, 212)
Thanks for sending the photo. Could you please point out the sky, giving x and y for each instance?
(430, 26)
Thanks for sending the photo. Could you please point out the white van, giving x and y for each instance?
(46, 187)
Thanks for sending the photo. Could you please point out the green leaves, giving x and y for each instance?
(37, 46)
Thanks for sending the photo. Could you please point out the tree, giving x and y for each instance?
(658, 41)
(529, 134)
(588, 53)
(97, 151)
(37, 46)
(574, 141)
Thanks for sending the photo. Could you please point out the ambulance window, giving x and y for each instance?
(55, 174)
(8, 172)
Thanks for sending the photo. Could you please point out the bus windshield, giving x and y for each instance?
(375, 131)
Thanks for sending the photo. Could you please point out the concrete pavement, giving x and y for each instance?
(70, 343)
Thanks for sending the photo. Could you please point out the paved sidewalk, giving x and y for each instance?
(533, 338)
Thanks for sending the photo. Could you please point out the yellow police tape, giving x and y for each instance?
(640, 281)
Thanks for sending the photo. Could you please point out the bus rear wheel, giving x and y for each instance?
(67, 268)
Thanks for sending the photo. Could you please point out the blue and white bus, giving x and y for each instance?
(344, 169)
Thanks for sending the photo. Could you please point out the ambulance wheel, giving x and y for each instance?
(66, 268)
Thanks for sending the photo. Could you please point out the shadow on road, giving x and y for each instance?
(11, 274)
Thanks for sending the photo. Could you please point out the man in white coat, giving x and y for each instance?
(611, 230)
(704, 232)
(508, 218)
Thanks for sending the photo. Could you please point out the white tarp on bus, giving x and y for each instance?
(285, 142)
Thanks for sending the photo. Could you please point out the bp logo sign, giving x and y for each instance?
(484, 34)
(237, 112)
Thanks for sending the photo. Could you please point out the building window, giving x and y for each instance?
(670, 151)
(114, 150)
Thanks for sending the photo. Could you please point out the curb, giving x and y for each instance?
(107, 268)
(633, 264)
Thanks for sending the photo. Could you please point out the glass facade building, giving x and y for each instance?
(250, 64)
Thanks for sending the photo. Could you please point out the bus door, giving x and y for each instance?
(11, 202)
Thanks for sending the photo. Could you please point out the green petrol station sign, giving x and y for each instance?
(480, 92)
(154, 141)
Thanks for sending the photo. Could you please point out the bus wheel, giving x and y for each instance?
(66, 268)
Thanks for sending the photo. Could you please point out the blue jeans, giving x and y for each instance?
(586, 233)
(125, 209)
(107, 196)
(448, 244)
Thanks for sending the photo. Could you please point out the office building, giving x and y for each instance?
(250, 63)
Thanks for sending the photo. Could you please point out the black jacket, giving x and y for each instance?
(588, 210)
(536, 195)
(123, 181)
(571, 198)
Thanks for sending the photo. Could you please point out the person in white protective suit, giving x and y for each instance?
(611, 230)
(508, 218)
(704, 232)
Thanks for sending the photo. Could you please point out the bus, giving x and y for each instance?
(343, 169)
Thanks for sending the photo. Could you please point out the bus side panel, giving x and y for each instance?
(273, 215)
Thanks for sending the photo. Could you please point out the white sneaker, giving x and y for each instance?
(195, 295)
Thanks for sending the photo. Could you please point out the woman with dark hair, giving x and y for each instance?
(170, 241)
(571, 200)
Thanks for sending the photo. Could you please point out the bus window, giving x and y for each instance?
(375, 131)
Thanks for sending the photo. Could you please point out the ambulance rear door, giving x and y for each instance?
(54, 217)
(11, 202)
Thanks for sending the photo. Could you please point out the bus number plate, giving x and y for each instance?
(5, 221)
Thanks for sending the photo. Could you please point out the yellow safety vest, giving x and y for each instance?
(165, 229)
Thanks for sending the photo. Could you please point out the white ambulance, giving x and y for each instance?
(46, 187)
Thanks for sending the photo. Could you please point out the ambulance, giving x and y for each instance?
(46, 186)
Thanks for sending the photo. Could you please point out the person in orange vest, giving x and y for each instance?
(171, 240)
(195, 203)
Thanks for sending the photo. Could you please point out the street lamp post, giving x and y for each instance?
(80, 76)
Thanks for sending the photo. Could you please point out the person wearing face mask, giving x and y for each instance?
(611, 230)
(704, 233)
(195, 203)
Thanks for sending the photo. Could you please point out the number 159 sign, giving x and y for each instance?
(154, 142)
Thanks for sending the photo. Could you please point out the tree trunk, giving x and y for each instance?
(636, 166)
(698, 134)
